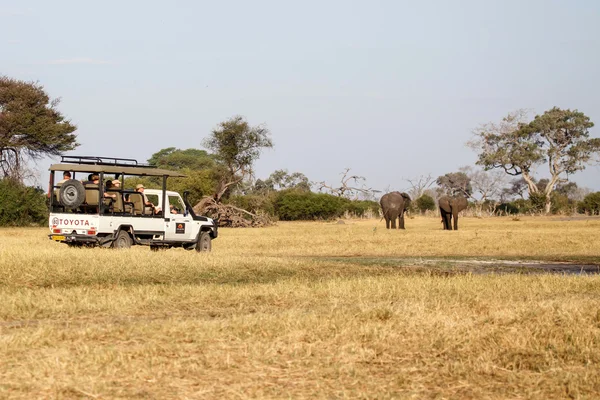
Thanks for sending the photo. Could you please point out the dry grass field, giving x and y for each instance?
(305, 310)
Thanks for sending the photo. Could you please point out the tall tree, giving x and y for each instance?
(281, 179)
(173, 158)
(236, 145)
(455, 184)
(30, 123)
(558, 137)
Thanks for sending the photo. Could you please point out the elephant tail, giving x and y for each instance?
(383, 214)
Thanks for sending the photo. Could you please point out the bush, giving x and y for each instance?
(362, 208)
(291, 205)
(425, 203)
(537, 202)
(590, 204)
(21, 205)
(507, 208)
(255, 203)
(561, 204)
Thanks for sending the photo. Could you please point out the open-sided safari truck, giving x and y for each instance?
(93, 207)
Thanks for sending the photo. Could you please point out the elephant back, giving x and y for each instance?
(394, 200)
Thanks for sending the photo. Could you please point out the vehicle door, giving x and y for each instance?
(178, 226)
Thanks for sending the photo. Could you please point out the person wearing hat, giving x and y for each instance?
(140, 189)
(112, 192)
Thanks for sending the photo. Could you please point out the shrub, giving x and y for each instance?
(293, 205)
(507, 208)
(590, 204)
(537, 202)
(254, 203)
(425, 203)
(21, 205)
(362, 208)
(561, 204)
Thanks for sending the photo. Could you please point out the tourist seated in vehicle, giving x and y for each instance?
(93, 179)
(113, 188)
(150, 208)
(66, 177)
(92, 194)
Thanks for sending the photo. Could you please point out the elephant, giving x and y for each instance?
(449, 209)
(394, 205)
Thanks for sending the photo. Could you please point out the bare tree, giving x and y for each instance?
(419, 185)
(351, 186)
(486, 185)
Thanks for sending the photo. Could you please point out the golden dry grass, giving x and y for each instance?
(289, 312)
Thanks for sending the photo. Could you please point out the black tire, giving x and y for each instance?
(71, 194)
(122, 241)
(204, 242)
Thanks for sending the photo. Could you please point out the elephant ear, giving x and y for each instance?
(405, 195)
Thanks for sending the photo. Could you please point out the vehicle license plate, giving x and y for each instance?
(58, 237)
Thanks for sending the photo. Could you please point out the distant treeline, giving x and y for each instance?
(22, 205)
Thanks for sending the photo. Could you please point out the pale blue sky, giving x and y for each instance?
(391, 89)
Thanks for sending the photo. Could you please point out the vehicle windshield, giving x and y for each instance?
(176, 205)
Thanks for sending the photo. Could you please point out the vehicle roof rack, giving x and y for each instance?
(93, 160)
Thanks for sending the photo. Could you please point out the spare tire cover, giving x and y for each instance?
(71, 194)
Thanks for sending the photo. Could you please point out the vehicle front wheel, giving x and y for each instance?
(123, 241)
(204, 242)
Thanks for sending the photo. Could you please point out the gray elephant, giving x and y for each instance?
(449, 209)
(394, 205)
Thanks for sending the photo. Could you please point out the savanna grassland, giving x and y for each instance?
(305, 310)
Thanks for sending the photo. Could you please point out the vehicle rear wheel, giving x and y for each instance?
(123, 241)
(204, 242)
(71, 194)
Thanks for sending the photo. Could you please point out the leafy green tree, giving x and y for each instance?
(455, 183)
(176, 159)
(558, 137)
(200, 167)
(425, 203)
(281, 180)
(517, 188)
(590, 204)
(236, 146)
(31, 124)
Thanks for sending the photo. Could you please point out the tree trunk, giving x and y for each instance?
(548, 204)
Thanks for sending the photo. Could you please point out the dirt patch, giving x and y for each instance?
(579, 218)
(471, 266)
(528, 267)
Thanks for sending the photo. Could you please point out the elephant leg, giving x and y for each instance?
(394, 222)
(387, 223)
(446, 219)
(455, 217)
(402, 220)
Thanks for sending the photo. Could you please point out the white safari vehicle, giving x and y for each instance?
(93, 207)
